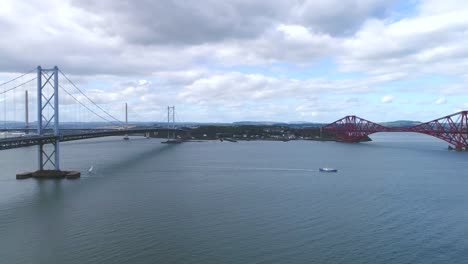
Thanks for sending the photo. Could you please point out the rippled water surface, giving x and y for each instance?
(402, 198)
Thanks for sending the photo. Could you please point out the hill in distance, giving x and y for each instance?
(400, 123)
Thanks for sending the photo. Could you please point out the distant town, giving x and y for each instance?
(258, 132)
(248, 130)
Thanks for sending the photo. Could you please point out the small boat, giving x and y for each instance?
(91, 169)
(126, 137)
(328, 170)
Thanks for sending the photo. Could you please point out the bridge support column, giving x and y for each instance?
(170, 123)
(48, 116)
(48, 125)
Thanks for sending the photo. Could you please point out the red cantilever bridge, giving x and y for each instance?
(452, 129)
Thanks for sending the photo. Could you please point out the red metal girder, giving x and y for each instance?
(353, 128)
(452, 129)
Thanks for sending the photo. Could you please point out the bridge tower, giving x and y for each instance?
(26, 111)
(48, 116)
(126, 115)
(170, 123)
(126, 122)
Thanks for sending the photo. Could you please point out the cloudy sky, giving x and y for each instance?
(222, 61)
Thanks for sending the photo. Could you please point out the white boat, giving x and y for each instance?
(328, 170)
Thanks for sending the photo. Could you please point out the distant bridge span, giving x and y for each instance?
(71, 135)
(452, 129)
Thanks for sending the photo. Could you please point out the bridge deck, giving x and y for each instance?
(31, 140)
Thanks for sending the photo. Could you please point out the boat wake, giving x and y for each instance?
(250, 168)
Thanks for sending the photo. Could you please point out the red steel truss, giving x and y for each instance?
(452, 129)
(353, 128)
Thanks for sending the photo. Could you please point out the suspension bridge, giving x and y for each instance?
(77, 107)
(73, 105)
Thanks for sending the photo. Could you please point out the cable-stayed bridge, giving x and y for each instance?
(53, 101)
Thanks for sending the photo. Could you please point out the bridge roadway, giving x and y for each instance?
(70, 135)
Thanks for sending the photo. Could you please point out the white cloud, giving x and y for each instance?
(211, 56)
(426, 43)
(441, 100)
(387, 99)
(231, 87)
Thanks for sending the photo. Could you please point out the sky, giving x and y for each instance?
(237, 60)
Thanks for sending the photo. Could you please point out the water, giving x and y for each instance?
(400, 199)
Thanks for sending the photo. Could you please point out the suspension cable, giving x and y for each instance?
(85, 106)
(76, 87)
(5, 91)
(12, 80)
